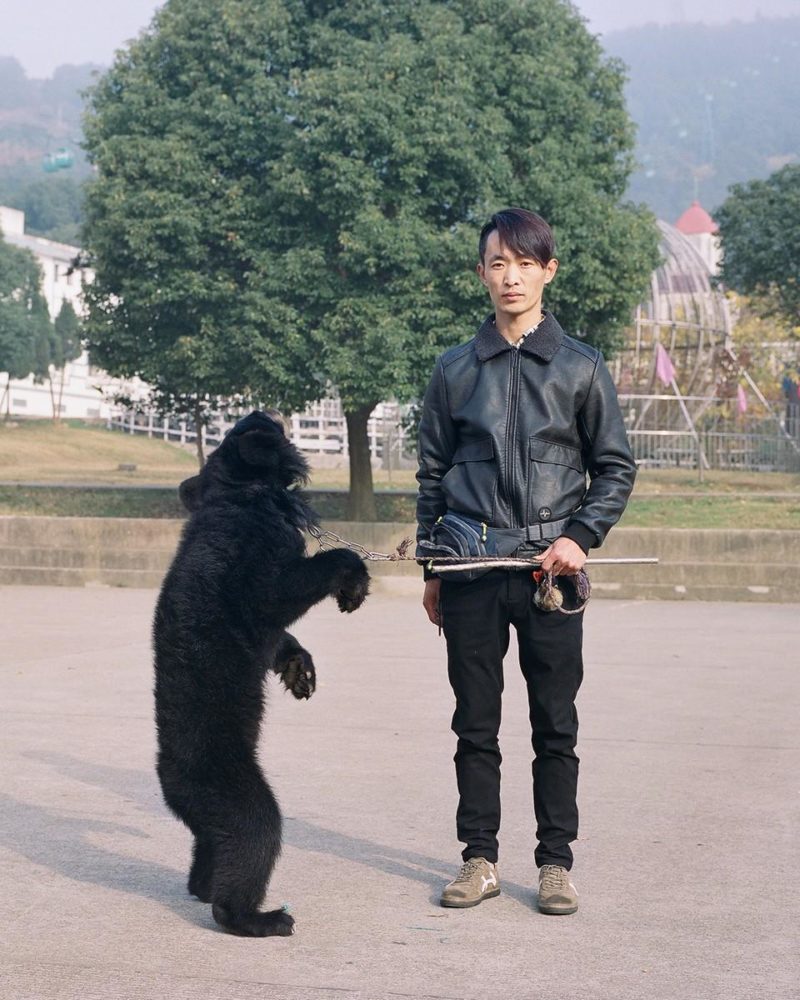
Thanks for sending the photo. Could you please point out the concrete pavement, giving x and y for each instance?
(689, 797)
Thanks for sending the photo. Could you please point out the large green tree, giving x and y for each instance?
(759, 225)
(25, 327)
(289, 192)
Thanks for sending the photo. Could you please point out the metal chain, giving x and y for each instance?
(330, 540)
(548, 596)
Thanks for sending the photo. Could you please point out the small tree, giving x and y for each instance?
(759, 226)
(66, 346)
(25, 327)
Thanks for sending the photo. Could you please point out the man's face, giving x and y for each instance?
(515, 283)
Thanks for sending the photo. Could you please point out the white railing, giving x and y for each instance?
(321, 430)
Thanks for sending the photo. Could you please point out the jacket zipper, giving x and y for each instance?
(511, 429)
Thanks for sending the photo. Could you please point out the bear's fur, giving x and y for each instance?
(239, 578)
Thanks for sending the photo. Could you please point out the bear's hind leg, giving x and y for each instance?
(201, 874)
(244, 857)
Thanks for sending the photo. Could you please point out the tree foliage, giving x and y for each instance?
(25, 327)
(759, 226)
(289, 191)
(67, 334)
(66, 345)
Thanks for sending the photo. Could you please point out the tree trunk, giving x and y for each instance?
(361, 499)
(198, 431)
(7, 400)
(61, 391)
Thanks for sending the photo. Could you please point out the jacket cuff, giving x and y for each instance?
(581, 535)
(428, 574)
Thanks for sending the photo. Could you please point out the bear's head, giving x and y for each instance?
(254, 453)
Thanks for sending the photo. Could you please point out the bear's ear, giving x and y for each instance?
(259, 448)
(190, 493)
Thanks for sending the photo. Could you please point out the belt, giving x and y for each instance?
(534, 532)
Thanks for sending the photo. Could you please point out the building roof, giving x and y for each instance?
(696, 220)
(12, 230)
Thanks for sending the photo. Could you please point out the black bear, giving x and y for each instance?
(239, 578)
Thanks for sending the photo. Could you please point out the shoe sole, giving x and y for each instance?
(558, 911)
(459, 904)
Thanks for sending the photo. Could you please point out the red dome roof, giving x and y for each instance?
(696, 220)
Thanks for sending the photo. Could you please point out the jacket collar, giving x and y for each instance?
(543, 343)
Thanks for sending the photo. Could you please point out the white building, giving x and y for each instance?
(83, 389)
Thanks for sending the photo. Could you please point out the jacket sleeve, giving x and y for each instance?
(609, 462)
(435, 449)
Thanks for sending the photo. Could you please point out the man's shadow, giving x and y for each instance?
(61, 840)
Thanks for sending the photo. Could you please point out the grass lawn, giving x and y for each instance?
(75, 453)
(37, 451)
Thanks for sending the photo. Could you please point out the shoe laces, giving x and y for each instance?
(468, 869)
(554, 877)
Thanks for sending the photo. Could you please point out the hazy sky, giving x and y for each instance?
(42, 34)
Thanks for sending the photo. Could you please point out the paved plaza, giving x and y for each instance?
(686, 864)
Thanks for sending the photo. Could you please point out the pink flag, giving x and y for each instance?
(664, 367)
(741, 399)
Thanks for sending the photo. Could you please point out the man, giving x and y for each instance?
(512, 424)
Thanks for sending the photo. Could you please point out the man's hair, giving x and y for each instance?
(524, 233)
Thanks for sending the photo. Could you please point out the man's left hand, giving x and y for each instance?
(563, 558)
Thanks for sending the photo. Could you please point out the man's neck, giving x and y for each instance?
(511, 328)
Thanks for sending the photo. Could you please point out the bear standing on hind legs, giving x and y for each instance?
(240, 577)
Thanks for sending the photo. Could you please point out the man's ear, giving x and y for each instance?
(480, 270)
(190, 493)
(258, 448)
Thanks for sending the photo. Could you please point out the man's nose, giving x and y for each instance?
(511, 276)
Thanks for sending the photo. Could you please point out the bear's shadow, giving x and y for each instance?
(61, 841)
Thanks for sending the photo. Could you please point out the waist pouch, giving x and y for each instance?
(456, 536)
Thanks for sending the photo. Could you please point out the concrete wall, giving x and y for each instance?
(694, 564)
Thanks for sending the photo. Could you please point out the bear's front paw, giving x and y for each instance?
(354, 591)
(299, 675)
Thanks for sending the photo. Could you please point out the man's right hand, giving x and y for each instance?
(430, 599)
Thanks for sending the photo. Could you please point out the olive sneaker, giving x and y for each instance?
(476, 881)
(556, 893)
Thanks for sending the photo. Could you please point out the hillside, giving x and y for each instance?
(39, 117)
(714, 105)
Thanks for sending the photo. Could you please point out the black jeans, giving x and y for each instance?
(476, 619)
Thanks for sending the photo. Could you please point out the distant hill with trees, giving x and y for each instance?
(715, 105)
(38, 118)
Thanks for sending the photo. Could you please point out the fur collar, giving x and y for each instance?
(543, 343)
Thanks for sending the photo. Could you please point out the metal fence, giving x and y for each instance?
(762, 440)
(657, 428)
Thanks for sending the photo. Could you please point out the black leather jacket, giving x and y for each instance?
(509, 435)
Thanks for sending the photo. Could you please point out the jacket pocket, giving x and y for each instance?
(556, 480)
(469, 485)
(540, 450)
(474, 451)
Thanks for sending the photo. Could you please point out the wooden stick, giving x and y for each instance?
(511, 563)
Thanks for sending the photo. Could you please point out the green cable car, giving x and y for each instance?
(62, 159)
